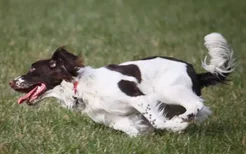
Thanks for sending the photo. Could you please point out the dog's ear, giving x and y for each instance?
(66, 59)
(62, 54)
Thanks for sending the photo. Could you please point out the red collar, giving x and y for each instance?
(75, 85)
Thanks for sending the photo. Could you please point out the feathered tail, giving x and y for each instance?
(221, 60)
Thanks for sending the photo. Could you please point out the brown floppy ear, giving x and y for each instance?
(68, 60)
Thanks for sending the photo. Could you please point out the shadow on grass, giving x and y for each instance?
(210, 129)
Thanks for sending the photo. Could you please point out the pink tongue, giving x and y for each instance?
(33, 94)
(27, 96)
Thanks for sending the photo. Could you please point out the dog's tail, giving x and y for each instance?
(221, 60)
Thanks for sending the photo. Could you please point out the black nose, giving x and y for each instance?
(12, 83)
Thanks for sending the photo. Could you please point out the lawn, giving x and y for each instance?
(113, 31)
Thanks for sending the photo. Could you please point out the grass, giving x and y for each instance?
(113, 31)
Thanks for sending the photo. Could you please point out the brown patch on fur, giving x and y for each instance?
(129, 88)
(79, 61)
(129, 70)
(67, 77)
(71, 62)
(51, 72)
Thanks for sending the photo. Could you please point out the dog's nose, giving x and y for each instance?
(12, 83)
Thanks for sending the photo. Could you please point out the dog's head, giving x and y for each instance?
(46, 74)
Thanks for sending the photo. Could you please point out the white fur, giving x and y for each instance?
(19, 81)
(221, 55)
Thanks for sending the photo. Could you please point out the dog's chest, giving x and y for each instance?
(107, 115)
(100, 116)
(106, 108)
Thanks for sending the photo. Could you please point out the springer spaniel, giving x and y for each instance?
(135, 97)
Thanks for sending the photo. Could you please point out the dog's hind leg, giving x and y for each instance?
(185, 97)
(148, 106)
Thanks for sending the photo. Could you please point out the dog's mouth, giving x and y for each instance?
(32, 93)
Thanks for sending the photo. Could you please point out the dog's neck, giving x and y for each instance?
(66, 94)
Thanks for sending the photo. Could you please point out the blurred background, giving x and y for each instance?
(114, 31)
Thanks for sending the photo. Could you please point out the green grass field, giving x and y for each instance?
(113, 31)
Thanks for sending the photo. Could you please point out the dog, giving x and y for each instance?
(135, 97)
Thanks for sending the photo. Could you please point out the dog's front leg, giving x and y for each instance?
(132, 125)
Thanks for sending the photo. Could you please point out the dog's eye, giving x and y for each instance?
(32, 69)
(52, 64)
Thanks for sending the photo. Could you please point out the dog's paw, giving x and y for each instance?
(191, 113)
(188, 117)
(178, 125)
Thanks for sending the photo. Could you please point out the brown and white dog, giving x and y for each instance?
(135, 97)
